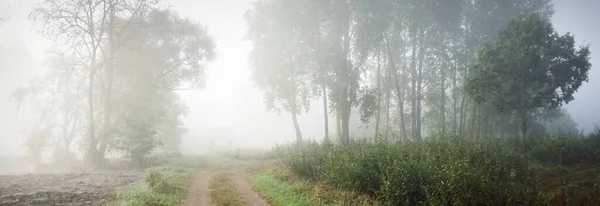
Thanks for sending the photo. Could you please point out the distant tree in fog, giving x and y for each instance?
(528, 67)
(121, 60)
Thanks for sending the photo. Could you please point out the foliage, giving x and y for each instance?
(566, 149)
(164, 185)
(438, 171)
(98, 65)
(36, 141)
(281, 55)
(529, 66)
(137, 140)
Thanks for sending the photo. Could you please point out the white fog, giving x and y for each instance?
(230, 107)
(299, 102)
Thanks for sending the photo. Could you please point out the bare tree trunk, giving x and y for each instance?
(400, 91)
(109, 85)
(325, 112)
(378, 118)
(454, 100)
(296, 127)
(420, 83)
(523, 118)
(91, 126)
(345, 103)
(399, 87)
(388, 95)
(338, 122)
(472, 125)
(346, 126)
(413, 79)
(65, 131)
(443, 100)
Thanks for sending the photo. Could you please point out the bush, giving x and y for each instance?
(440, 171)
(566, 149)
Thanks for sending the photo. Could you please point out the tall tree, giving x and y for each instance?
(280, 57)
(529, 66)
(104, 38)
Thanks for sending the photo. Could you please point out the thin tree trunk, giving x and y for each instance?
(454, 100)
(399, 88)
(91, 127)
(413, 79)
(378, 118)
(325, 112)
(443, 100)
(388, 95)
(296, 126)
(523, 117)
(422, 50)
(400, 91)
(110, 79)
(345, 103)
(472, 125)
(338, 122)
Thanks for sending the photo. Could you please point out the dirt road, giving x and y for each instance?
(198, 193)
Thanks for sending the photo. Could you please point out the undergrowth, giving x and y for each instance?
(280, 193)
(164, 185)
(450, 170)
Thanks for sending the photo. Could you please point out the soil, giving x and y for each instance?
(198, 192)
(90, 188)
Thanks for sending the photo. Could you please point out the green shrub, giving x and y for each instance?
(566, 149)
(439, 171)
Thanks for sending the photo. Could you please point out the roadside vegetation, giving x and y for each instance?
(223, 192)
(281, 187)
(451, 170)
(165, 185)
(278, 192)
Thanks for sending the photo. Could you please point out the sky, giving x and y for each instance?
(230, 100)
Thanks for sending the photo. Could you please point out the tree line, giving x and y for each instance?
(475, 69)
(111, 77)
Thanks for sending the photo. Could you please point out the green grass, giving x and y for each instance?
(281, 187)
(223, 192)
(164, 185)
(281, 193)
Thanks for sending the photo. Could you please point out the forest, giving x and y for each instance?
(417, 69)
(424, 102)
(463, 99)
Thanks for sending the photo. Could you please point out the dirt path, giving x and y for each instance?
(198, 193)
(242, 184)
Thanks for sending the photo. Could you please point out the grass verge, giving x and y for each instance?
(280, 187)
(223, 192)
(164, 185)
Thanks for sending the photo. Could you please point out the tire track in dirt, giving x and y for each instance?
(242, 184)
(198, 192)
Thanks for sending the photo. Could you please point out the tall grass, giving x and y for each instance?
(440, 171)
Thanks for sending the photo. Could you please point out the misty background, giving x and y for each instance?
(230, 108)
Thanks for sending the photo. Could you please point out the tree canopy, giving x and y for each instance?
(529, 66)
